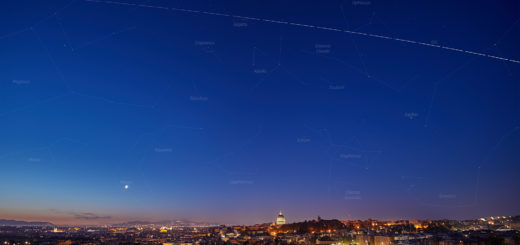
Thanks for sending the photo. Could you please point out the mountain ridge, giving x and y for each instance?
(11, 222)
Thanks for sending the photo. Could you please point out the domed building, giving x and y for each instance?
(280, 220)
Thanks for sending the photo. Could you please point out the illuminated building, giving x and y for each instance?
(280, 220)
(57, 230)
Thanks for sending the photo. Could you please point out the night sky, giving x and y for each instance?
(152, 110)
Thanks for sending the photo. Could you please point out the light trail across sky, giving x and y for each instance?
(311, 27)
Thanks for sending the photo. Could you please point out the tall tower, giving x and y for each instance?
(280, 220)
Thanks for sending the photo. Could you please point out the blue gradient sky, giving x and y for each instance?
(229, 120)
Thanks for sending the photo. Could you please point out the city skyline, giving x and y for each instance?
(229, 111)
(278, 221)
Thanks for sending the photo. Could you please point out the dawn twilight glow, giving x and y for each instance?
(226, 112)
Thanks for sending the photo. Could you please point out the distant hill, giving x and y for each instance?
(10, 222)
(132, 223)
(163, 222)
(319, 225)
